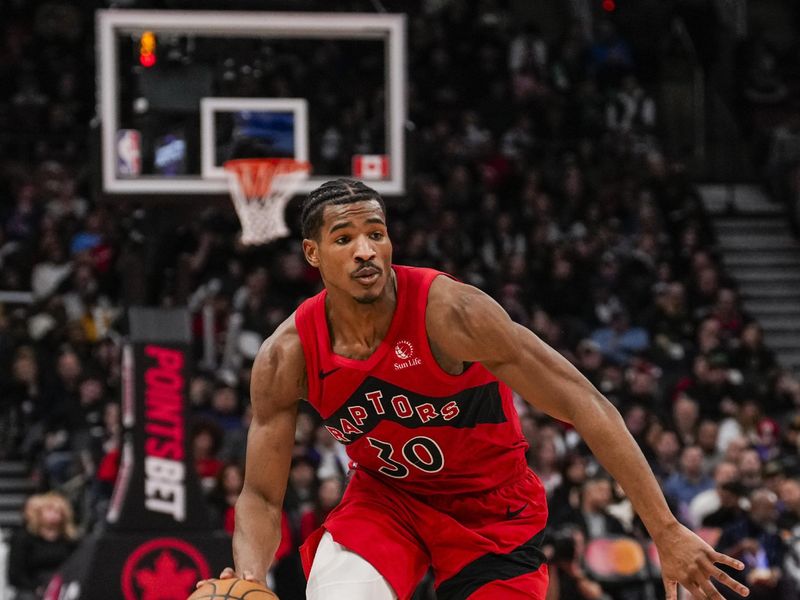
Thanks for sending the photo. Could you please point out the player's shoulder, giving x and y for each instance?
(450, 299)
(283, 346)
(278, 378)
(466, 324)
(280, 364)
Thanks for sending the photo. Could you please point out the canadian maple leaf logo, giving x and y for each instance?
(163, 569)
(167, 580)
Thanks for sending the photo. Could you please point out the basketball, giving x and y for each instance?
(232, 589)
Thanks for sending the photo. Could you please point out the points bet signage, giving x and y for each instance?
(156, 488)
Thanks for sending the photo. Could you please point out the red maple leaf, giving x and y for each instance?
(167, 581)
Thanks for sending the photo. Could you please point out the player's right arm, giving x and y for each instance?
(276, 386)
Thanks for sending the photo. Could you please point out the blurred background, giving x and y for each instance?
(623, 177)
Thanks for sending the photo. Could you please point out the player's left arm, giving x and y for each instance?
(464, 324)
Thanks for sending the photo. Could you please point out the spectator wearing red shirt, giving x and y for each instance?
(206, 440)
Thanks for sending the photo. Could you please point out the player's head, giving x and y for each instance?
(345, 237)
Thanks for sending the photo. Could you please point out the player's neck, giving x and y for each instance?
(356, 327)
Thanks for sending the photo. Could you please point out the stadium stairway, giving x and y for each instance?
(763, 256)
(15, 486)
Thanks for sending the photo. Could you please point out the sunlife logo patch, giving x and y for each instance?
(404, 350)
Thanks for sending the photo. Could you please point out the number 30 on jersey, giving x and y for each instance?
(420, 452)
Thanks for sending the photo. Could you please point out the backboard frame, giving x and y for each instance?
(358, 26)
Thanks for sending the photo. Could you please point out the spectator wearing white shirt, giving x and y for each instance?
(51, 272)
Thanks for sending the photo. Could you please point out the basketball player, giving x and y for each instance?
(413, 372)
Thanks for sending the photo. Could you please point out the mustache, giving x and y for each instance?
(367, 265)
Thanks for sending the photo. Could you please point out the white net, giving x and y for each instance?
(260, 189)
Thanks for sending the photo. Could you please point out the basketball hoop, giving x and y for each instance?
(261, 188)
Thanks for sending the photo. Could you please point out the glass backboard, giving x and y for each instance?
(183, 91)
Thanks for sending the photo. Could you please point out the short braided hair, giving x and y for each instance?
(336, 191)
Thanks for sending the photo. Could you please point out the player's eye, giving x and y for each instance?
(341, 240)
(377, 235)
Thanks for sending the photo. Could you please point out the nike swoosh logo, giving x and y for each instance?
(324, 374)
(510, 514)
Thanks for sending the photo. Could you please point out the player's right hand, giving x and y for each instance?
(228, 573)
(689, 561)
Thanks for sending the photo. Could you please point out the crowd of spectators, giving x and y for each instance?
(537, 176)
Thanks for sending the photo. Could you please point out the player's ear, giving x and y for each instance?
(311, 252)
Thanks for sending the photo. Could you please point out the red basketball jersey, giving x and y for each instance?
(400, 415)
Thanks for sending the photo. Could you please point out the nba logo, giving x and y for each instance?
(129, 153)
